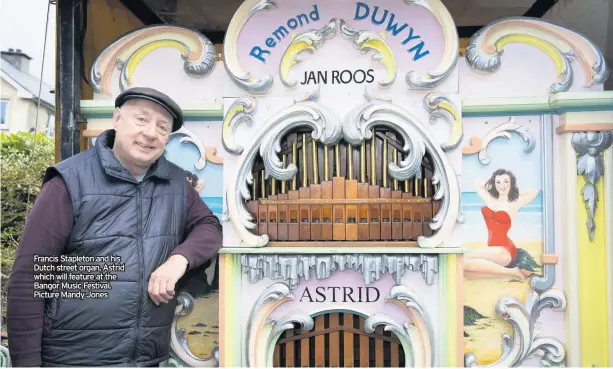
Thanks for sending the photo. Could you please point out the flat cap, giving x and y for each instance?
(156, 96)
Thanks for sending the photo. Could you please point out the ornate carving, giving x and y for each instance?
(526, 341)
(241, 111)
(367, 40)
(125, 54)
(357, 127)
(328, 130)
(310, 40)
(422, 334)
(590, 164)
(293, 268)
(484, 49)
(5, 357)
(441, 107)
(180, 354)
(503, 130)
(241, 78)
(263, 332)
(189, 137)
(401, 331)
(452, 46)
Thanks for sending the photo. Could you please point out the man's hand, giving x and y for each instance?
(163, 279)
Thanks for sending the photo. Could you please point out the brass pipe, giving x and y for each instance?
(384, 162)
(337, 160)
(350, 161)
(284, 166)
(263, 185)
(326, 163)
(395, 155)
(294, 159)
(305, 180)
(373, 169)
(425, 187)
(254, 191)
(363, 163)
(416, 186)
(315, 164)
(406, 184)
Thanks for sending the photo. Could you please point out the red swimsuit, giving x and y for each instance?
(498, 224)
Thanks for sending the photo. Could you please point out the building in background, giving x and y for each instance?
(19, 92)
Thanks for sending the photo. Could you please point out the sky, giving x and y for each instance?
(22, 26)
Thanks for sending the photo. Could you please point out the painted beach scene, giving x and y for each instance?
(502, 233)
(201, 327)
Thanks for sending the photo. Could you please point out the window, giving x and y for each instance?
(50, 126)
(4, 112)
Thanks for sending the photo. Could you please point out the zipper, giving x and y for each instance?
(141, 268)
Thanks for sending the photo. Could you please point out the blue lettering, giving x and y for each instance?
(411, 37)
(357, 11)
(394, 27)
(419, 53)
(314, 15)
(374, 16)
(295, 23)
(257, 53)
(306, 20)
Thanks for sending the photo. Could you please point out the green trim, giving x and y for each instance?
(340, 250)
(93, 109)
(441, 340)
(554, 104)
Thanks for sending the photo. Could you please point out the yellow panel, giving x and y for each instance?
(593, 282)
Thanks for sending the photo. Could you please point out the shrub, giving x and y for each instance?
(24, 157)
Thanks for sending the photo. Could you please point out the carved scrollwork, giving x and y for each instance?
(503, 130)
(263, 332)
(241, 111)
(125, 54)
(368, 40)
(526, 341)
(241, 78)
(422, 332)
(440, 107)
(590, 164)
(307, 41)
(400, 330)
(326, 129)
(485, 47)
(181, 355)
(188, 136)
(5, 357)
(357, 127)
(452, 46)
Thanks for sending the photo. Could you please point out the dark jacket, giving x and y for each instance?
(140, 223)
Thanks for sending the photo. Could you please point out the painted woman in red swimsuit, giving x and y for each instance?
(502, 203)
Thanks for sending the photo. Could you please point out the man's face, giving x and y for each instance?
(142, 130)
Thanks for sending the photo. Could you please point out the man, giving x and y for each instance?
(123, 199)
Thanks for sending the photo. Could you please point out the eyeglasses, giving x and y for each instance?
(142, 121)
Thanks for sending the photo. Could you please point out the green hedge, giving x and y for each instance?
(23, 159)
